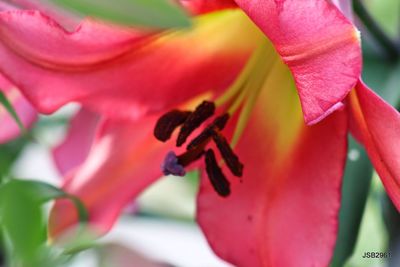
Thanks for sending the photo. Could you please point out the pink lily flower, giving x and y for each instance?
(282, 70)
(74, 149)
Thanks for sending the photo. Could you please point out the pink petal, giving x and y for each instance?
(320, 46)
(125, 159)
(26, 113)
(121, 72)
(76, 145)
(377, 125)
(284, 212)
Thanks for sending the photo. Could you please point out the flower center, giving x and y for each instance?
(240, 97)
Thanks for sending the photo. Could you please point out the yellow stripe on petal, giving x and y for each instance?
(115, 71)
(278, 110)
(230, 29)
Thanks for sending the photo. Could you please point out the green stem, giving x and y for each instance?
(376, 31)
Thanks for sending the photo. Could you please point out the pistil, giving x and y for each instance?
(175, 165)
(242, 94)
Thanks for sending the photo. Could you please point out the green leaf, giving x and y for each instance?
(151, 13)
(355, 188)
(43, 192)
(84, 240)
(9, 152)
(10, 109)
(22, 223)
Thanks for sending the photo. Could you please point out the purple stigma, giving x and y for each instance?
(172, 166)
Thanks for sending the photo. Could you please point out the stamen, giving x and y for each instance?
(194, 120)
(172, 166)
(231, 160)
(167, 123)
(243, 77)
(218, 124)
(241, 95)
(254, 86)
(217, 178)
(191, 156)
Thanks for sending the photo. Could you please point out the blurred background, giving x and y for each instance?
(159, 229)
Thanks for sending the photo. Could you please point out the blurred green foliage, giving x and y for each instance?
(22, 220)
(387, 14)
(382, 74)
(372, 236)
(9, 152)
(22, 224)
(355, 189)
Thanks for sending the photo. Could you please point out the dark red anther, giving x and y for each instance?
(218, 124)
(231, 160)
(220, 121)
(168, 122)
(205, 110)
(217, 178)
